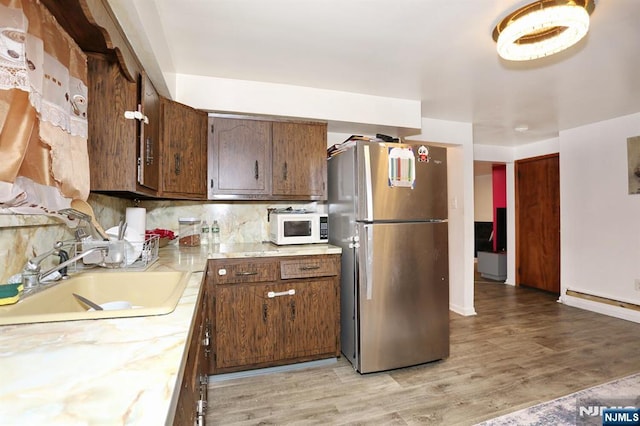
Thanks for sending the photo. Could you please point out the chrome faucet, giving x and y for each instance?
(32, 277)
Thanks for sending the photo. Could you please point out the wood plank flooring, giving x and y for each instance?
(521, 349)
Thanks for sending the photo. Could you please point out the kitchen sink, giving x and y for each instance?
(150, 293)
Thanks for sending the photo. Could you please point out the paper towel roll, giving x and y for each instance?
(136, 218)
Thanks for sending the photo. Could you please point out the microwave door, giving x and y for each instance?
(297, 228)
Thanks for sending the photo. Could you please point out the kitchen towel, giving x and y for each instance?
(136, 218)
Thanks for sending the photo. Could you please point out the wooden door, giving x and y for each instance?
(538, 223)
(299, 160)
(239, 157)
(184, 151)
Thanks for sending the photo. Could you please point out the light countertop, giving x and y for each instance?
(112, 371)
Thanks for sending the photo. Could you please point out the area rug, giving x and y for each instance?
(584, 407)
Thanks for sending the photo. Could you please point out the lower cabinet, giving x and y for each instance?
(192, 401)
(274, 311)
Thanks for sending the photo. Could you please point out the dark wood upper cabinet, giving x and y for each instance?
(113, 163)
(171, 150)
(239, 158)
(123, 153)
(255, 158)
(148, 134)
(183, 151)
(299, 160)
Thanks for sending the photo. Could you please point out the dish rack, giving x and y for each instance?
(119, 254)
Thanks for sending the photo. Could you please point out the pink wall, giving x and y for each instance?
(499, 177)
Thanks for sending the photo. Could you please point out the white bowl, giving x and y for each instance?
(115, 306)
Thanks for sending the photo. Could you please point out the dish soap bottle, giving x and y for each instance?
(204, 234)
(215, 233)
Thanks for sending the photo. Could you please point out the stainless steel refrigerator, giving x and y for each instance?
(388, 212)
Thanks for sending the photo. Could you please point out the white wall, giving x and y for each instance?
(599, 220)
(483, 198)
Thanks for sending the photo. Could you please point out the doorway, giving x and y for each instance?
(537, 210)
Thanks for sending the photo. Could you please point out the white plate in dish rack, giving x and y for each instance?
(133, 248)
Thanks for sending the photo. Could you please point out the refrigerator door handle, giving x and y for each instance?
(368, 250)
(368, 214)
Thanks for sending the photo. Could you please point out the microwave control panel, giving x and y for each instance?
(324, 228)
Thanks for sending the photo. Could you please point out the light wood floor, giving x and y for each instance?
(521, 349)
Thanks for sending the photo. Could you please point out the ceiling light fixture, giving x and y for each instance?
(542, 28)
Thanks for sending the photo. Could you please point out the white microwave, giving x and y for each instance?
(298, 228)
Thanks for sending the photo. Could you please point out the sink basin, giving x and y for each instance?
(150, 293)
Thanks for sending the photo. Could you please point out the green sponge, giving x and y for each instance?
(10, 293)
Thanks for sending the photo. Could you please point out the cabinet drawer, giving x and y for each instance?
(245, 272)
(318, 266)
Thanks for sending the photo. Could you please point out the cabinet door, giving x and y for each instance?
(239, 158)
(299, 160)
(148, 158)
(310, 319)
(111, 143)
(184, 150)
(191, 390)
(245, 324)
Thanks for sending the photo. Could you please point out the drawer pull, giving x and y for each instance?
(273, 294)
(309, 268)
(246, 273)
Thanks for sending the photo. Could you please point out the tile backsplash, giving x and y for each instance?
(240, 222)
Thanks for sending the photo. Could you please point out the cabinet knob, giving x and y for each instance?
(222, 271)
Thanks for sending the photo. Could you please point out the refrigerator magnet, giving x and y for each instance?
(423, 154)
(402, 167)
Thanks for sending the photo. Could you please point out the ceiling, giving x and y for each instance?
(437, 51)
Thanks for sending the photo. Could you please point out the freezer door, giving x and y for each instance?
(403, 295)
(400, 182)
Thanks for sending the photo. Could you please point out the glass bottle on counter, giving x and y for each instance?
(215, 232)
(204, 234)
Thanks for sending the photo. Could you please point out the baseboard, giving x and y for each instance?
(601, 308)
(461, 310)
(268, 370)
